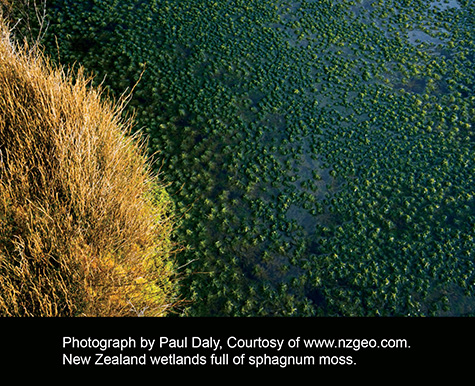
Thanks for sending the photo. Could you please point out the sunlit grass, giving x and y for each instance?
(84, 224)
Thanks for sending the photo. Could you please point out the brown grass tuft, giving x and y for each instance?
(84, 225)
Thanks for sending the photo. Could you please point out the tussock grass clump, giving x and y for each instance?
(84, 224)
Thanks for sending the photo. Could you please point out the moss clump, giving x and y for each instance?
(84, 224)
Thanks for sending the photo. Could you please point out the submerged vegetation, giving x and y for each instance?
(320, 154)
(84, 224)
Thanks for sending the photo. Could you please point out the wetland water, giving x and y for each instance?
(320, 153)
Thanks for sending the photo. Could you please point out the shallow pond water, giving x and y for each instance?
(442, 5)
(308, 147)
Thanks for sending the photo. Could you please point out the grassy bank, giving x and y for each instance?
(84, 223)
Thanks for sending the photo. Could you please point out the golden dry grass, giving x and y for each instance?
(84, 225)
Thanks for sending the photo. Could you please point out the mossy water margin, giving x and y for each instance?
(320, 152)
